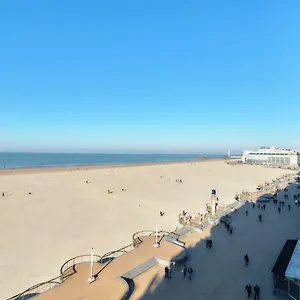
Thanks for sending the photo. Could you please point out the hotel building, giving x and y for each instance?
(272, 156)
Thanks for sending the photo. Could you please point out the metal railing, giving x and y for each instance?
(75, 261)
(137, 235)
(37, 289)
(117, 253)
(66, 271)
(287, 287)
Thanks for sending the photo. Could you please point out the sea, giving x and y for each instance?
(31, 160)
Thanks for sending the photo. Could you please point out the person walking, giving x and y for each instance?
(289, 206)
(253, 205)
(230, 230)
(190, 271)
(166, 272)
(210, 244)
(256, 292)
(260, 218)
(246, 212)
(246, 259)
(170, 272)
(248, 288)
(279, 209)
(184, 270)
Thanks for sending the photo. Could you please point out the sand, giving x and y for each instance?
(64, 216)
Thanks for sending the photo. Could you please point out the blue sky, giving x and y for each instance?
(154, 76)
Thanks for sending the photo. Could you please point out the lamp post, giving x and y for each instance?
(92, 277)
(156, 236)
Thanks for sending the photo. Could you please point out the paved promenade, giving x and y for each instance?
(220, 273)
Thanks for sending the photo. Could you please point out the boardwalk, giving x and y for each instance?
(220, 273)
(109, 284)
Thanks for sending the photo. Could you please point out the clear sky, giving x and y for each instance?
(154, 76)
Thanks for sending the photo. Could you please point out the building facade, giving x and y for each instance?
(272, 156)
(286, 273)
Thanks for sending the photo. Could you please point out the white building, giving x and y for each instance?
(272, 156)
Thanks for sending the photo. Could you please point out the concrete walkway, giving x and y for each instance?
(220, 273)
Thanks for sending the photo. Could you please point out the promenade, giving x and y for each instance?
(219, 273)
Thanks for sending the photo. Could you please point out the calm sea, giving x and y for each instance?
(16, 160)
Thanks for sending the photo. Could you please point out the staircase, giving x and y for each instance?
(141, 268)
(174, 241)
(184, 230)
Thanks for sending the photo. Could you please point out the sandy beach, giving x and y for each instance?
(49, 216)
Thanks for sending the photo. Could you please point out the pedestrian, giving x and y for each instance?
(166, 272)
(282, 203)
(2, 194)
(260, 218)
(289, 206)
(230, 230)
(248, 288)
(190, 271)
(207, 243)
(264, 206)
(184, 270)
(170, 272)
(228, 227)
(246, 212)
(256, 292)
(253, 205)
(210, 244)
(279, 209)
(246, 259)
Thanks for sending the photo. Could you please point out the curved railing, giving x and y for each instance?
(117, 253)
(137, 235)
(37, 289)
(64, 270)
(74, 261)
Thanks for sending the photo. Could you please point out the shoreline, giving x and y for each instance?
(62, 168)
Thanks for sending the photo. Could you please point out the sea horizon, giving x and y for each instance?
(10, 160)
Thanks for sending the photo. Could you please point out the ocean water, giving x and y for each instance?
(19, 160)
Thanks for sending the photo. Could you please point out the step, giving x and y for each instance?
(174, 241)
(184, 230)
(141, 268)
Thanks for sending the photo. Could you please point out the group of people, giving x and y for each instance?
(263, 206)
(187, 271)
(229, 228)
(256, 289)
(185, 217)
(168, 272)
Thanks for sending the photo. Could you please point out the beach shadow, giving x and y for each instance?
(220, 272)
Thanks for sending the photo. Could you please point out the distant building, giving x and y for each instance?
(272, 156)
